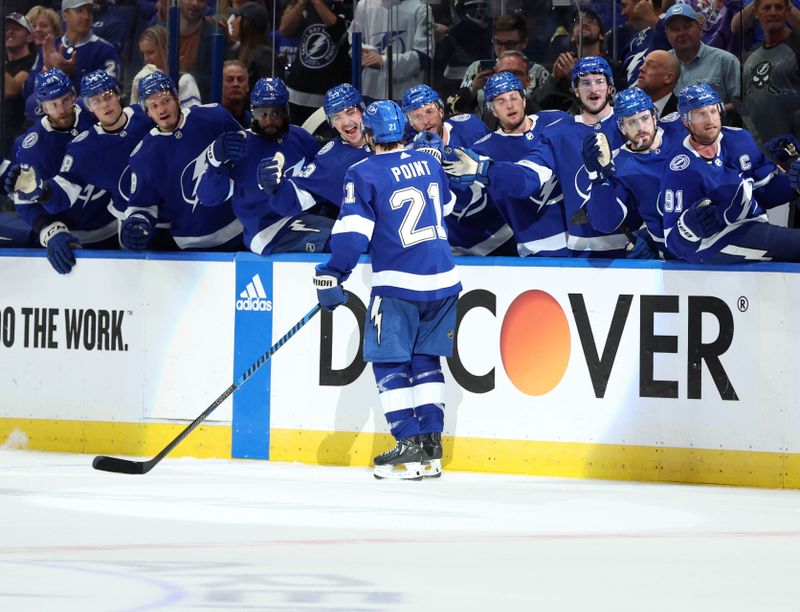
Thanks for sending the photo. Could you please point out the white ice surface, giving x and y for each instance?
(251, 535)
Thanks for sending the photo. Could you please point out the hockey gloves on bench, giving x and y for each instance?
(59, 244)
(329, 289)
(270, 172)
(430, 143)
(23, 182)
(784, 148)
(469, 167)
(699, 221)
(137, 231)
(597, 156)
(227, 147)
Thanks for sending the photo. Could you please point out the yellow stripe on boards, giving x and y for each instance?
(137, 439)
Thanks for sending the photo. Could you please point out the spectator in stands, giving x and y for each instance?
(509, 33)
(235, 92)
(657, 78)
(586, 40)
(412, 45)
(699, 62)
(153, 47)
(196, 43)
(322, 60)
(469, 37)
(109, 26)
(752, 34)
(649, 35)
(18, 63)
(772, 72)
(78, 52)
(250, 28)
(44, 21)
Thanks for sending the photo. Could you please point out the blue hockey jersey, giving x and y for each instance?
(462, 131)
(537, 221)
(100, 158)
(739, 181)
(630, 195)
(166, 169)
(43, 147)
(393, 206)
(319, 181)
(558, 153)
(238, 181)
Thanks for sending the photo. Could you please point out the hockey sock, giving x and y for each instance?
(427, 385)
(394, 389)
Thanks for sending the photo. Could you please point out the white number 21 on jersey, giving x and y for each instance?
(409, 231)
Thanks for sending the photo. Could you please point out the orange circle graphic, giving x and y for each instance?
(535, 342)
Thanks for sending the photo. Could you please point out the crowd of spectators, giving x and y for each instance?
(750, 58)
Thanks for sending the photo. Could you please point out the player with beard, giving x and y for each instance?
(628, 185)
(716, 186)
(558, 153)
(271, 134)
(318, 184)
(166, 169)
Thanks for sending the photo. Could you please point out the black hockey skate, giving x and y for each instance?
(431, 454)
(402, 462)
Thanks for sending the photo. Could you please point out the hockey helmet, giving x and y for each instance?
(341, 97)
(696, 96)
(97, 82)
(154, 83)
(501, 83)
(592, 64)
(52, 84)
(631, 101)
(269, 92)
(420, 95)
(385, 121)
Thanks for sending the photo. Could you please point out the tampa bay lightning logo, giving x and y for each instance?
(384, 38)
(190, 179)
(30, 140)
(126, 183)
(679, 162)
(317, 48)
(583, 184)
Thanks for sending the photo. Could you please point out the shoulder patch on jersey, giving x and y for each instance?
(66, 164)
(461, 117)
(483, 138)
(674, 116)
(326, 148)
(679, 162)
(136, 148)
(82, 136)
(30, 140)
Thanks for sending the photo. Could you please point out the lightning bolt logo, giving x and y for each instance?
(316, 44)
(375, 316)
(189, 185)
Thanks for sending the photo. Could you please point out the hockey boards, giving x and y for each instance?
(126, 466)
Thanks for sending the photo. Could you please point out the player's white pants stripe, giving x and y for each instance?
(306, 199)
(487, 246)
(551, 243)
(354, 223)
(229, 232)
(415, 282)
(612, 242)
(429, 393)
(96, 235)
(267, 235)
(396, 399)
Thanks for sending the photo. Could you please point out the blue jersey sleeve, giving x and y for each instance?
(353, 230)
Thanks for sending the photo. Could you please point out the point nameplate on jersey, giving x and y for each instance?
(410, 170)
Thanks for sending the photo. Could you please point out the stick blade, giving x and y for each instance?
(119, 466)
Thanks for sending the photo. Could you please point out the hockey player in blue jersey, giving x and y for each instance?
(39, 156)
(537, 222)
(392, 208)
(99, 156)
(265, 231)
(166, 169)
(319, 183)
(483, 231)
(626, 187)
(716, 186)
(558, 154)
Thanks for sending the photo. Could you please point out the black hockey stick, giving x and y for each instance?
(125, 466)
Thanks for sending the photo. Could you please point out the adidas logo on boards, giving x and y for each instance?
(254, 297)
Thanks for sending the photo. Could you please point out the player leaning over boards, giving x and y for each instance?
(392, 208)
